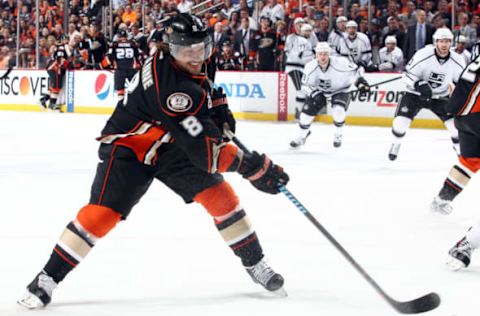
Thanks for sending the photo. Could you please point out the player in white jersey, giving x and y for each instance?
(327, 77)
(430, 77)
(337, 35)
(391, 57)
(356, 46)
(461, 50)
(299, 51)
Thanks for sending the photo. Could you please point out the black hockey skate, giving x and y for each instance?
(43, 102)
(459, 255)
(264, 275)
(39, 292)
(55, 107)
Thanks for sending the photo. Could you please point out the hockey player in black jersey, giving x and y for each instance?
(124, 57)
(57, 66)
(465, 105)
(170, 127)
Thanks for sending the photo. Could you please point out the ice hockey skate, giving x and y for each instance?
(459, 255)
(300, 141)
(393, 153)
(264, 275)
(39, 292)
(43, 102)
(337, 140)
(55, 107)
(441, 206)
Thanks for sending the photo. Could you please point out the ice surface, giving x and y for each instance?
(168, 259)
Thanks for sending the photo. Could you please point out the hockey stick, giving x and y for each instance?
(418, 305)
(380, 83)
(5, 75)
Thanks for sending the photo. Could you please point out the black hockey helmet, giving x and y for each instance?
(186, 30)
(122, 34)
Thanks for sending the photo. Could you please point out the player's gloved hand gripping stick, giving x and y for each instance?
(418, 305)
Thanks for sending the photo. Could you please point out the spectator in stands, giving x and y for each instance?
(129, 16)
(218, 35)
(253, 25)
(320, 29)
(233, 24)
(391, 10)
(429, 7)
(393, 29)
(409, 16)
(418, 36)
(243, 5)
(274, 11)
(184, 6)
(445, 13)
(466, 30)
(227, 9)
(242, 41)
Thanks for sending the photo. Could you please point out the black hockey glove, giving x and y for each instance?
(262, 172)
(362, 85)
(424, 89)
(221, 114)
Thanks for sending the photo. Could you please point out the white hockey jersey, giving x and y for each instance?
(391, 61)
(339, 76)
(465, 54)
(334, 39)
(357, 49)
(426, 65)
(298, 50)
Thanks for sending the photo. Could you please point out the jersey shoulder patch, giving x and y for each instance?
(179, 102)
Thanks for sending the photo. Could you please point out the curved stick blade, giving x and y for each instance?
(420, 305)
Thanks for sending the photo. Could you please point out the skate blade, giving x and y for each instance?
(454, 264)
(30, 301)
(280, 292)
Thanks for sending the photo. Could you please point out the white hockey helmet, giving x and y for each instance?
(461, 39)
(442, 33)
(341, 19)
(390, 40)
(298, 20)
(306, 27)
(352, 23)
(322, 47)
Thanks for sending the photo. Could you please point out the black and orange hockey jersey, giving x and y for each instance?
(165, 105)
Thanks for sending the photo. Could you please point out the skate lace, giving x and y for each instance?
(464, 247)
(46, 283)
(262, 272)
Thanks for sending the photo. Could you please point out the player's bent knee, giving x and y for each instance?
(98, 220)
(472, 164)
(219, 200)
(314, 105)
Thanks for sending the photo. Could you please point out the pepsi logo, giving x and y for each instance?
(102, 87)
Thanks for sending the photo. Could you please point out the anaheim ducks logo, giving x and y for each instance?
(169, 30)
(179, 102)
(265, 42)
